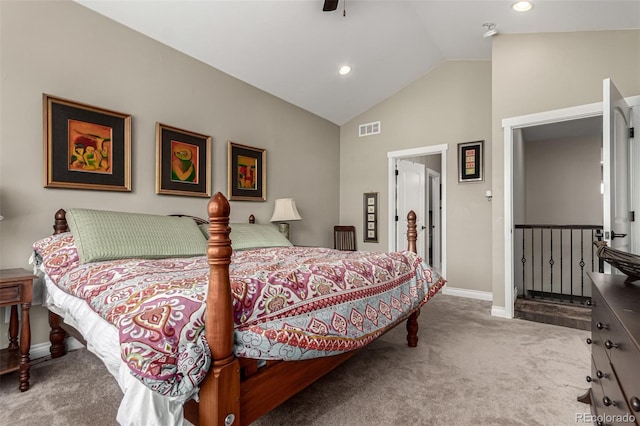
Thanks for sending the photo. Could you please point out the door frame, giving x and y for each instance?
(435, 208)
(509, 125)
(418, 152)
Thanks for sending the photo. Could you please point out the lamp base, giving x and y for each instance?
(283, 227)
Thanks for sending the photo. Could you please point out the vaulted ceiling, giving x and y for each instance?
(293, 50)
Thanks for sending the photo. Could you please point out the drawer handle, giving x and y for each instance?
(635, 403)
(607, 402)
(589, 379)
(609, 344)
(601, 375)
(589, 341)
(602, 326)
(589, 302)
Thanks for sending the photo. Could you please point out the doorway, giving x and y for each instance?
(512, 130)
(433, 160)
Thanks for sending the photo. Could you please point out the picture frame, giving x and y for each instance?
(183, 162)
(370, 209)
(471, 161)
(85, 147)
(247, 173)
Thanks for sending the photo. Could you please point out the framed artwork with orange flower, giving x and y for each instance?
(85, 147)
(247, 167)
(183, 162)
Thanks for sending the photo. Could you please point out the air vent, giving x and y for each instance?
(369, 129)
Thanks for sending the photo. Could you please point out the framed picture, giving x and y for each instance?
(247, 173)
(371, 217)
(471, 161)
(183, 162)
(85, 147)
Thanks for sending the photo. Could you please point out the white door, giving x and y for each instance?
(615, 169)
(635, 182)
(410, 190)
(433, 207)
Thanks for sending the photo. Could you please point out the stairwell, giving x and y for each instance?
(557, 313)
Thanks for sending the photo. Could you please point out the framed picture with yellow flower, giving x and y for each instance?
(183, 162)
(247, 173)
(85, 147)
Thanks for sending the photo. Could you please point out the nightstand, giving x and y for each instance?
(16, 288)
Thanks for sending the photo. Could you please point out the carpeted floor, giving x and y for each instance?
(469, 369)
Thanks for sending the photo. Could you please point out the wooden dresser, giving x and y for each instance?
(615, 350)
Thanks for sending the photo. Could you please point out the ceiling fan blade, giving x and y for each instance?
(330, 5)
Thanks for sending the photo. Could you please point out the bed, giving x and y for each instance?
(257, 330)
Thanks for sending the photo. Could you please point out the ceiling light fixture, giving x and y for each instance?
(344, 70)
(522, 6)
(491, 29)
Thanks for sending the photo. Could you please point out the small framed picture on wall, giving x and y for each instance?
(471, 161)
(247, 168)
(183, 162)
(370, 217)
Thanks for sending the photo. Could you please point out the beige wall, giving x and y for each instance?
(449, 105)
(540, 72)
(562, 181)
(66, 50)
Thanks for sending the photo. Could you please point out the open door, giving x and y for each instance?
(616, 169)
(411, 193)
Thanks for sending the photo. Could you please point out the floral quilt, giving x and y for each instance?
(290, 303)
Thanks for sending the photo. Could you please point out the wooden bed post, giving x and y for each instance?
(220, 391)
(412, 321)
(57, 334)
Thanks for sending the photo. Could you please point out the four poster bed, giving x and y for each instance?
(218, 335)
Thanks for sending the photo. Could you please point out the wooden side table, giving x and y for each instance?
(16, 288)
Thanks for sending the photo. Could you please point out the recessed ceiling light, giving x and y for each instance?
(522, 6)
(344, 70)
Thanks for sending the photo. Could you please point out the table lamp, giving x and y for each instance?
(285, 211)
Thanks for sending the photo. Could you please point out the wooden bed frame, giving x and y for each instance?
(236, 391)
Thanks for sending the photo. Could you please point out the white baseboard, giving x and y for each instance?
(498, 311)
(39, 351)
(42, 349)
(469, 294)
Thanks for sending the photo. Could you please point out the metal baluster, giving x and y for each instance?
(551, 261)
(523, 260)
(561, 262)
(541, 260)
(571, 270)
(533, 257)
(582, 263)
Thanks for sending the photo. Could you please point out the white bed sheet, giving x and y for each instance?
(140, 406)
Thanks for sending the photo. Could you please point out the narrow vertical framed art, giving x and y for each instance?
(471, 161)
(370, 217)
(247, 169)
(183, 162)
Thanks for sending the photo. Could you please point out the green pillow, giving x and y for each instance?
(248, 235)
(108, 235)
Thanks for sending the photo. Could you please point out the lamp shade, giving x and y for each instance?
(285, 210)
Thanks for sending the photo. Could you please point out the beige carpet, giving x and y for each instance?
(469, 369)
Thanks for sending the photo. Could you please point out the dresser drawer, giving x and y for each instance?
(626, 360)
(601, 368)
(11, 294)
